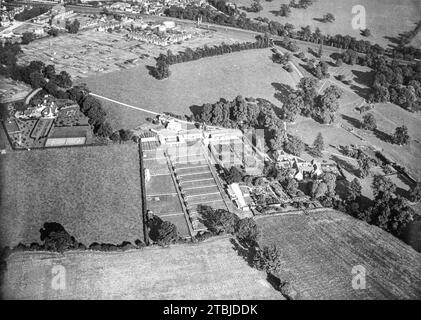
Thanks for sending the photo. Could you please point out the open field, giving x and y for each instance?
(248, 73)
(385, 18)
(319, 251)
(94, 192)
(209, 270)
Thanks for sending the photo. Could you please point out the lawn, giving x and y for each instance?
(165, 205)
(385, 18)
(208, 270)
(161, 184)
(319, 251)
(94, 192)
(248, 73)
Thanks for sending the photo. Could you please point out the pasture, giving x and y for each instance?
(385, 18)
(319, 251)
(94, 192)
(208, 270)
(247, 73)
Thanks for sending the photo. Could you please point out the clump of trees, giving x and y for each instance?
(243, 114)
(162, 232)
(307, 102)
(27, 37)
(163, 61)
(73, 27)
(30, 13)
(285, 10)
(401, 136)
(328, 17)
(389, 211)
(369, 122)
(318, 145)
(301, 4)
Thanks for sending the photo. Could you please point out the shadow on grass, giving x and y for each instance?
(352, 121)
(243, 250)
(346, 165)
(382, 136)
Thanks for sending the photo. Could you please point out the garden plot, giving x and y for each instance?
(164, 204)
(159, 185)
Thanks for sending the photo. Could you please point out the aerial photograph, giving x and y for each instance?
(210, 150)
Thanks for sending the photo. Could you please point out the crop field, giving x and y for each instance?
(197, 184)
(209, 270)
(192, 170)
(319, 251)
(72, 186)
(248, 73)
(385, 18)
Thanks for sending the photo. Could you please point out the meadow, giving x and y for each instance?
(385, 18)
(319, 251)
(208, 270)
(249, 73)
(94, 192)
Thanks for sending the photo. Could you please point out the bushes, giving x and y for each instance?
(268, 259)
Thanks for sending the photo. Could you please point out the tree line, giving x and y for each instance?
(161, 70)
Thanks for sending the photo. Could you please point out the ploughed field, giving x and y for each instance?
(319, 251)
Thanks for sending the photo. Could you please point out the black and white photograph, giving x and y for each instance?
(210, 155)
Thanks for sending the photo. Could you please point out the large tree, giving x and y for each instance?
(318, 145)
(401, 135)
(369, 122)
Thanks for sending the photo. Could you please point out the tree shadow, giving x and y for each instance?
(382, 136)
(352, 121)
(196, 110)
(312, 52)
(319, 20)
(276, 13)
(363, 77)
(361, 92)
(151, 70)
(345, 165)
(403, 193)
(282, 91)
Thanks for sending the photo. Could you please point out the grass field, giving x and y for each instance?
(248, 73)
(209, 270)
(385, 18)
(319, 251)
(94, 192)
